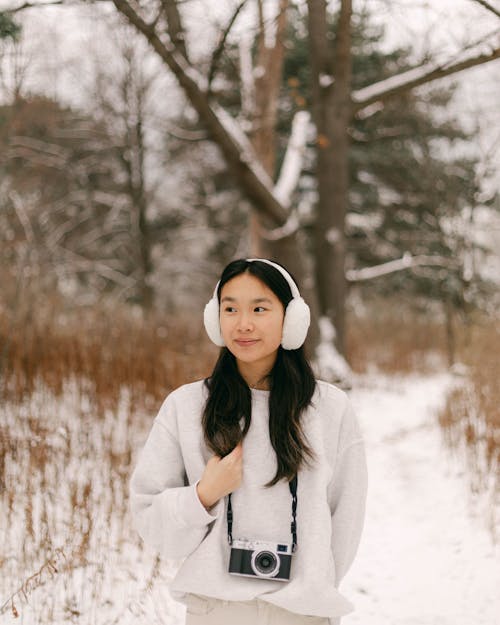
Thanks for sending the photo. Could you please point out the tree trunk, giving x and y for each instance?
(332, 114)
(267, 83)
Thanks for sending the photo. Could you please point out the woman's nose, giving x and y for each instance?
(245, 323)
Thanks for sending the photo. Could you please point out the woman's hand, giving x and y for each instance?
(221, 477)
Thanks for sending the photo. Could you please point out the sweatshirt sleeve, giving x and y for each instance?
(347, 494)
(167, 514)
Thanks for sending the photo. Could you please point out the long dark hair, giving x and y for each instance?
(291, 383)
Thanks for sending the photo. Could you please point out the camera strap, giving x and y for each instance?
(293, 527)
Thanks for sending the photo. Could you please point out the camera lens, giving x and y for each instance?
(265, 563)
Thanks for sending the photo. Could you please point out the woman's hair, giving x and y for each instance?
(291, 383)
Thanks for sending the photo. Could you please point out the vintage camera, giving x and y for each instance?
(255, 558)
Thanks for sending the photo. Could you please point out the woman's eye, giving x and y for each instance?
(229, 309)
(259, 308)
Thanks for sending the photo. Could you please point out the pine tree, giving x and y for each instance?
(407, 178)
(9, 29)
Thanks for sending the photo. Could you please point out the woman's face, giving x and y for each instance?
(251, 321)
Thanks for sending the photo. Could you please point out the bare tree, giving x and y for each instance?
(335, 105)
(122, 97)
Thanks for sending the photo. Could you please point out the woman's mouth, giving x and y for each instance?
(246, 342)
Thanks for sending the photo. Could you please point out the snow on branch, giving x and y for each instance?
(246, 75)
(247, 153)
(417, 76)
(292, 163)
(189, 70)
(225, 130)
(287, 229)
(328, 363)
(31, 5)
(80, 263)
(489, 6)
(405, 262)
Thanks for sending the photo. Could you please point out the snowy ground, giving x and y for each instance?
(427, 556)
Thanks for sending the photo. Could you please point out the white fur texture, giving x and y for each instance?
(211, 321)
(295, 325)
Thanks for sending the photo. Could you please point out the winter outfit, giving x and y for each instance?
(330, 511)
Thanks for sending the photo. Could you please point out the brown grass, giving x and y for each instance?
(81, 387)
(105, 348)
(471, 416)
(79, 390)
(395, 339)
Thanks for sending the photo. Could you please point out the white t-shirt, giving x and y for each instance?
(330, 512)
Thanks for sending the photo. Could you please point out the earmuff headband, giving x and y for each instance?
(295, 324)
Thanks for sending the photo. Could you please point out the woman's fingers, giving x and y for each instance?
(222, 475)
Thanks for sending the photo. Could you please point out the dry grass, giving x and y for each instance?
(471, 416)
(80, 388)
(105, 348)
(395, 339)
(64, 505)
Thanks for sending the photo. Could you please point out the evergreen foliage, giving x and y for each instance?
(409, 181)
(8, 27)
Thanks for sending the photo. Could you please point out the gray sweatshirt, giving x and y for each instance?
(330, 512)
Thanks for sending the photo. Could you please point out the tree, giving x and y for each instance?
(336, 104)
(8, 28)
(58, 177)
(404, 180)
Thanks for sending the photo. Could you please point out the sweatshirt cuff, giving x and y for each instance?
(195, 510)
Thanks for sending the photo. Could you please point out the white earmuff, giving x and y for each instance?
(211, 320)
(295, 325)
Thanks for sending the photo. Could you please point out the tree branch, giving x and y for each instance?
(222, 42)
(80, 263)
(223, 129)
(175, 28)
(488, 6)
(407, 261)
(294, 156)
(401, 83)
(37, 5)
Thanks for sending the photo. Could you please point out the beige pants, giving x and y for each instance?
(210, 611)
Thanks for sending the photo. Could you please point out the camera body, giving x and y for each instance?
(256, 558)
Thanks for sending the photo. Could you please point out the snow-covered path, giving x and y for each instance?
(426, 556)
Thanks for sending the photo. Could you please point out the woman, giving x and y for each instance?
(256, 477)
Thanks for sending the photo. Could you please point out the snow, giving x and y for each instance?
(329, 364)
(292, 163)
(393, 82)
(325, 80)
(399, 264)
(291, 225)
(333, 236)
(248, 156)
(247, 79)
(368, 222)
(426, 557)
(375, 90)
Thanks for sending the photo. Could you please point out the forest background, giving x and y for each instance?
(144, 145)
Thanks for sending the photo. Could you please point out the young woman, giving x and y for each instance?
(255, 477)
